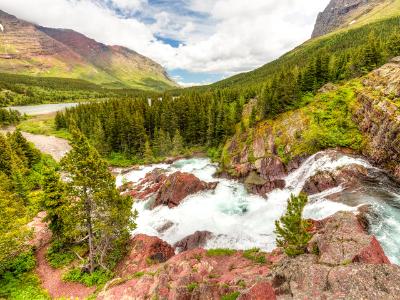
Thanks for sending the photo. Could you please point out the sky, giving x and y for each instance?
(197, 41)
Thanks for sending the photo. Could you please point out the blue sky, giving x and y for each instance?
(197, 41)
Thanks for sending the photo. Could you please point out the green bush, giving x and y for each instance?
(58, 256)
(291, 229)
(256, 255)
(220, 252)
(19, 282)
(98, 277)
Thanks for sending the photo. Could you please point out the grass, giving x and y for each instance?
(256, 255)
(44, 125)
(220, 252)
(192, 286)
(231, 296)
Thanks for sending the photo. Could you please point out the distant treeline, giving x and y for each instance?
(24, 90)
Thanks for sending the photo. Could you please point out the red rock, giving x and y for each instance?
(259, 291)
(342, 240)
(349, 177)
(271, 168)
(144, 250)
(177, 187)
(195, 240)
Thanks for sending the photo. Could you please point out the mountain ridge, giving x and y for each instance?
(31, 49)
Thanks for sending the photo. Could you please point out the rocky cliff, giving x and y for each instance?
(340, 13)
(26, 48)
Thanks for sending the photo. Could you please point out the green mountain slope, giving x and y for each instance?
(29, 49)
(345, 43)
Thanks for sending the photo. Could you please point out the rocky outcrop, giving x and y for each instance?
(305, 278)
(178, 186)
(340, 13)
(343, 262)
(341, 239)
(144, 252)
(193, 241)
(349, 176)
(192, 274)
(167, 190)
(378, 116)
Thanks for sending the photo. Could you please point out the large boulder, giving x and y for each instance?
(193, 241)
(177, 187)
(144, 252)
(343, 240)
(304, 277)
(349, 176)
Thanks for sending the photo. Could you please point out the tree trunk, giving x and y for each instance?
(89, 226)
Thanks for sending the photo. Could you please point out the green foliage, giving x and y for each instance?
(192, 286)
(94, 213)
(256, 255)
(9, 117)
(231, 296)
(18, 281)
(332, 124)
(138, 274)
(97, 277)
(58, 255)
(291, 229)
(220, 252)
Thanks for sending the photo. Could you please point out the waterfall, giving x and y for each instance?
(240, 220)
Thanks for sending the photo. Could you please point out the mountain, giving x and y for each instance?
(29, 49)
(348, 13)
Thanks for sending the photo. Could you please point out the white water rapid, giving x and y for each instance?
(240, 220)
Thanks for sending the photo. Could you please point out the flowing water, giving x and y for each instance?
(241, 220)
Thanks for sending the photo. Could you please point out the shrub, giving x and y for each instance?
(58, 256)
(96, 278)
(192, 286)
(291, 229)
(255, 254)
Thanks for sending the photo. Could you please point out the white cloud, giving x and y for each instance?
(234, 35)
(129, 4)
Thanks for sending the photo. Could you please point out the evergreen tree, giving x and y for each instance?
(94, 212)
(53, 201)
(177, 143)
(148, 153)
(394, 44)
(291, 229)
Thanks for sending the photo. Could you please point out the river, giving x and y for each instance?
(240, 220)
(42, 109)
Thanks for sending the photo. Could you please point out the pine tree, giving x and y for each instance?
(177, 143)
(94, 212)
(291, 229)
(148, 153)
(53, 201)
(6, 156)
(394, 44)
